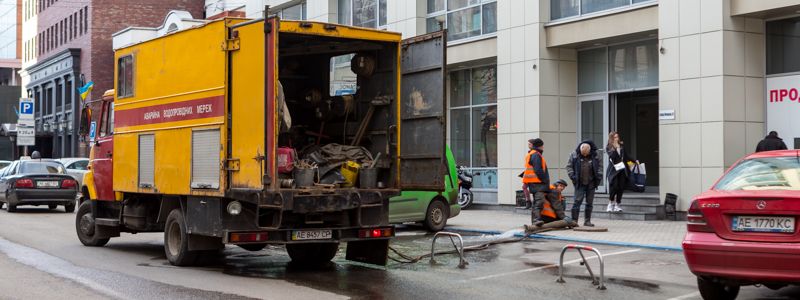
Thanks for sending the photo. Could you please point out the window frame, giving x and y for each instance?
(133, 76)
(470, 108)
(581, 15)
(303, 7)
(446, 12)
(378, 24)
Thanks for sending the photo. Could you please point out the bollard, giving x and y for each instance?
(462, 262)
(600, 284)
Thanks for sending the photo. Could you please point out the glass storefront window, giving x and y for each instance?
(633, 65)
(783, 44)
(473, 122)
(462, 18)
(592, 66)
(560, 9)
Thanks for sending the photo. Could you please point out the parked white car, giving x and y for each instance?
(76, 166)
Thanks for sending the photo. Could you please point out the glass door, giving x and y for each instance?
(593, 125)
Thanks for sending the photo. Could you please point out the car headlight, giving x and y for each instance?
(234, 208)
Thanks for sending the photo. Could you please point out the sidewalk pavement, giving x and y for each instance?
(663, 235)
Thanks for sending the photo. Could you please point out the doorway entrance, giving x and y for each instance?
(593, 125)
(636, 120)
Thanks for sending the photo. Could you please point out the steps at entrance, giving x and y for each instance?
(635, 206)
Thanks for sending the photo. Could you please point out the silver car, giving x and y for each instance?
(76, 166)
(4, 163)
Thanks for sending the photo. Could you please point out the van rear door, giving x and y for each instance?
(422, 112)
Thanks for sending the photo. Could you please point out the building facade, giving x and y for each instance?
(68, 43)
(691, 86)
(10, 54)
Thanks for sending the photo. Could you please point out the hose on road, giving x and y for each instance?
(408, 259)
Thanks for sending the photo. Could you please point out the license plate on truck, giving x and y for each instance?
(302, 235)
(763, 224)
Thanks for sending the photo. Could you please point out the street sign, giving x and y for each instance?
(26, 106)
(92, 131)
(26, 136)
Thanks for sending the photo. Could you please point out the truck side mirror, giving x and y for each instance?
(86, 118)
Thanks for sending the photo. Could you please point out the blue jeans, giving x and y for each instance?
(582, 191)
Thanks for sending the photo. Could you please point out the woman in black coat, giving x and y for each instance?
(617, 179)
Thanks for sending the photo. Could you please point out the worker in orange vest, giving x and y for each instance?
(553, 208)
(536, 178)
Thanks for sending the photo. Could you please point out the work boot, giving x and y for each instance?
(538, 223)
(528, 205)
(588, 223)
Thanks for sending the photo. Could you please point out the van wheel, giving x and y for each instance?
(716, 291)
(436, 216)
(176, 240)
(312, 254)
(253, 247)
(85, 227)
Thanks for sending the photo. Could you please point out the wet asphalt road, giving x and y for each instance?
(41, 258)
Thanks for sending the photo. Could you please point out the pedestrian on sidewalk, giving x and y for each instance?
(617, 171)
(586, 174)
(771, 142)
(536, 178)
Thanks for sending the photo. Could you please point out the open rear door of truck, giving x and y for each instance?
(422, 112)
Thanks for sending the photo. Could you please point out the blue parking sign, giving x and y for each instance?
(26, 109)
(92, 131)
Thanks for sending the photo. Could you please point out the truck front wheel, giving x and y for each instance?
(85, 226)
(176, 240)
(313, 254)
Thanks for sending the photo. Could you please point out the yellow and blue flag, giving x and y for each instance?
(85, 90)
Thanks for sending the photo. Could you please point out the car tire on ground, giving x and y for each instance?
(52, 206)
(85, 227)
(69, 207)
(176, 240)
(253, 247)
(2, 204)
(11, 208)
(312, 254)
(713, 290)
(436, 216)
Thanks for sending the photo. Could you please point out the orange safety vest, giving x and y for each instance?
(529, 176)
(547, 209)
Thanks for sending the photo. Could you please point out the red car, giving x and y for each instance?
(744, 230)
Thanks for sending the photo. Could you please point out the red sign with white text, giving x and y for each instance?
(171, 112)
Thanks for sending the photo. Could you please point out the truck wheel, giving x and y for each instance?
(253, 247)
(314, 254)
(436, 216)
(69, 207)
(176, 240)
(717, 291)
(85, 227)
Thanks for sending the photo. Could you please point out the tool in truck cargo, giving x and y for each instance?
(219, 134)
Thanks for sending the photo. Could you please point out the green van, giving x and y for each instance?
(432, 209)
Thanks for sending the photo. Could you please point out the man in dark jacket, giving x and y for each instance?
(586, 174)
(771, 142)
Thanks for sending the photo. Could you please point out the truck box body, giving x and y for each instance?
(199, 114)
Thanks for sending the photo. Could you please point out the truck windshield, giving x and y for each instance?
(41, 167)
(770, 173)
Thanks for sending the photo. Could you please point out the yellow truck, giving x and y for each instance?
(245, 132)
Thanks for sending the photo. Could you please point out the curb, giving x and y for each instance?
(570, 239)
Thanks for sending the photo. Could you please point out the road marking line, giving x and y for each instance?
(550, 266)
(687, 296)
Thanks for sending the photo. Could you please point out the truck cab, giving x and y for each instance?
(211, 133)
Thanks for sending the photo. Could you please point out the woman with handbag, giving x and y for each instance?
(617, 172)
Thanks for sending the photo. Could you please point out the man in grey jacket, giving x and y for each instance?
(586, 173)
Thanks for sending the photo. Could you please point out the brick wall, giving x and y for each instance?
(111, 16)
(59, 26)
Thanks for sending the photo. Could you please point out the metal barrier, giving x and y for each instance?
(463, 262)
(560, 279)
